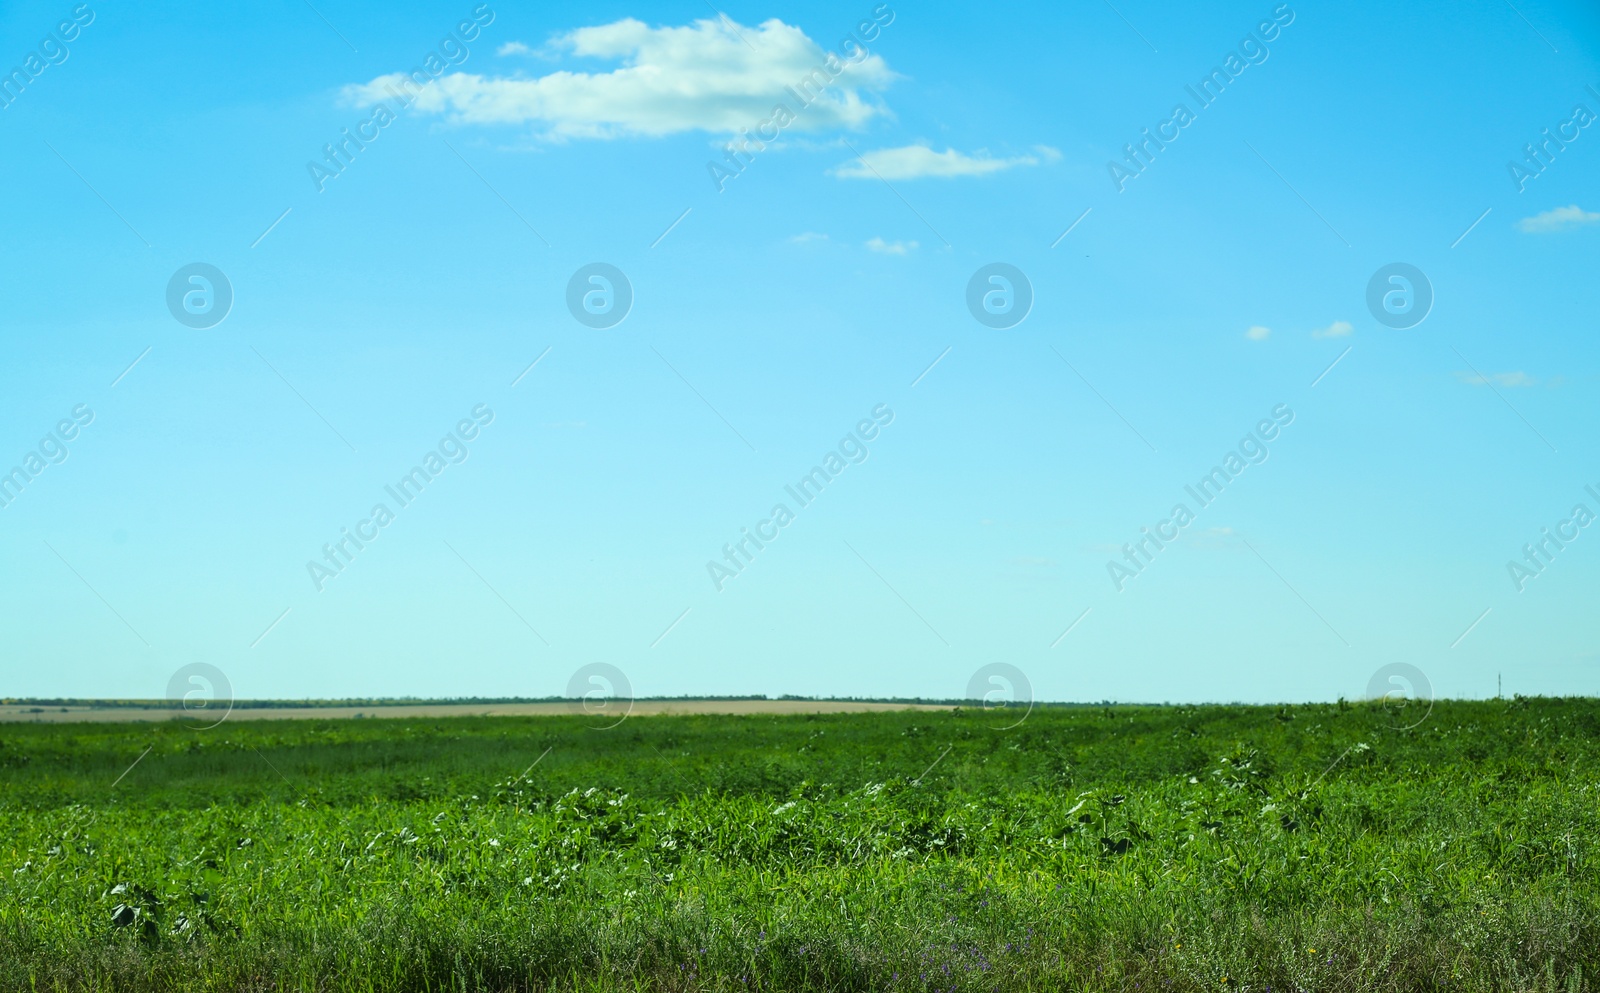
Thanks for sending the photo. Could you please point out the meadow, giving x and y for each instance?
(1309, 847)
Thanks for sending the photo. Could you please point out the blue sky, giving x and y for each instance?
(376, 308)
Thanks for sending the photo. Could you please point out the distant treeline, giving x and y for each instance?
(407, 701)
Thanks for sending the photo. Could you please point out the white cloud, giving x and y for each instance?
(891, 247)
(1509, 379)
(1258, 333)
(805, 237)
(1338, 329)
(1212, 539)
(918, 161)
(513, 48)
(1557, 220)
(701, 77)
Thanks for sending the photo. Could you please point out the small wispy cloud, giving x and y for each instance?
(920, 161)
(1558, 219)
(1212, 539)
(513, 48)
(1338, 329)
(1509, 379)
(807, 237)
(891, 247)
(1258, 333)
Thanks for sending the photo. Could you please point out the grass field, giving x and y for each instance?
(1316, 847)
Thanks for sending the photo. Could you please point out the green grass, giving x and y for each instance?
(1139, 848)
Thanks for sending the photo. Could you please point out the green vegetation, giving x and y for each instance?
(179, 706)
(1126, 848)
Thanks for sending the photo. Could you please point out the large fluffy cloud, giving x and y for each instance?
(711, 75)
